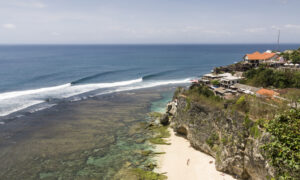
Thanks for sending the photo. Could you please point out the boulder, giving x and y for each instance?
(164, 120)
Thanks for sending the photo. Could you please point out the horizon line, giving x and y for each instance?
(75, 44)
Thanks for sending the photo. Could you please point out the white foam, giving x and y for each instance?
(14, 94)
(148, 84)
(154, 84)
(42, 108)
(8, 108)
(17, 100)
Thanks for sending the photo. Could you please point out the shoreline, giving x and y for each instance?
(181, 161)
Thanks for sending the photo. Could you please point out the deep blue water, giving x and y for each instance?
(32, 74)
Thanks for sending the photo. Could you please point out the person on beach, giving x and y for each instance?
(188, 162)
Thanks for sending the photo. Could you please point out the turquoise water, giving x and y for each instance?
(160, 105)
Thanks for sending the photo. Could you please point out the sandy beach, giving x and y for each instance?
(181, 161)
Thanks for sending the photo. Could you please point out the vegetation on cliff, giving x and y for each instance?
(262, 130)
(200, 93)
(294, 56)
(284, 149)
(267, 77)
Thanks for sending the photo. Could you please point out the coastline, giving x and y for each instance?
(181, 161)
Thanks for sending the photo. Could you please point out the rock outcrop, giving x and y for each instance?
(164, 120)
(225, 135)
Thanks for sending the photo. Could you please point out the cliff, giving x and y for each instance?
(227, 135)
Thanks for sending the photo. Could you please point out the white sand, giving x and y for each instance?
(174, 162)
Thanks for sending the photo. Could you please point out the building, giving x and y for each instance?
(256, 58)
(242, 88)
(229, 81)
(210, 76)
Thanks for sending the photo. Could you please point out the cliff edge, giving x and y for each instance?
(223, 133)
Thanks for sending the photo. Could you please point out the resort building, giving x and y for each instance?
(256, 58)
(210, 76)
(229, 81)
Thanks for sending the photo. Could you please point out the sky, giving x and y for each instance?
(148, 21)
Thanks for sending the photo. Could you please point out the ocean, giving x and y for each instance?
(35, 77)
(80, 111)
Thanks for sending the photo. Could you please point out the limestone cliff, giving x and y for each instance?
(224, 134)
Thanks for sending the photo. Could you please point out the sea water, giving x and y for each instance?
(33, 77)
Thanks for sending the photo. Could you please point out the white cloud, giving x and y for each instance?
(255, 30)
(9, 26)
(292, 26)
(275, 27)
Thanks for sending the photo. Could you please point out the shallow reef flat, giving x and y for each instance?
(89, 139)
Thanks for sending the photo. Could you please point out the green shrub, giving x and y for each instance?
(242, 104)
(247, 122)
(284, 149)
(204, 94)
(267, 77)
(255, 132)
(213, 139)
(215, 82)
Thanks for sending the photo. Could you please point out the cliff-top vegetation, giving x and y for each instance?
(267, 77)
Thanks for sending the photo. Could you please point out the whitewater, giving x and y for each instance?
(11, 102)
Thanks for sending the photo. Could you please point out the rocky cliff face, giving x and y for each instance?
(224, 134)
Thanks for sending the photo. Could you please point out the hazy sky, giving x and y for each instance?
(148, 21)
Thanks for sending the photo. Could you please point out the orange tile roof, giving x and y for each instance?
(266, 92)
(260, 56)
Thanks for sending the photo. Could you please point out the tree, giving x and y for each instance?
(295, 57)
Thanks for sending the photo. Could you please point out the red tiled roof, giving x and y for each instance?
(260, 56)
(266, 92)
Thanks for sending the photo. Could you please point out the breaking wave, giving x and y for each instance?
(151, 76)
(11, 102)
(94, 76)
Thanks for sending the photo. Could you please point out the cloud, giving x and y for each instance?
(292, 26)
(275, 27)
(255, 30)
(30, 4)
(9, 26)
